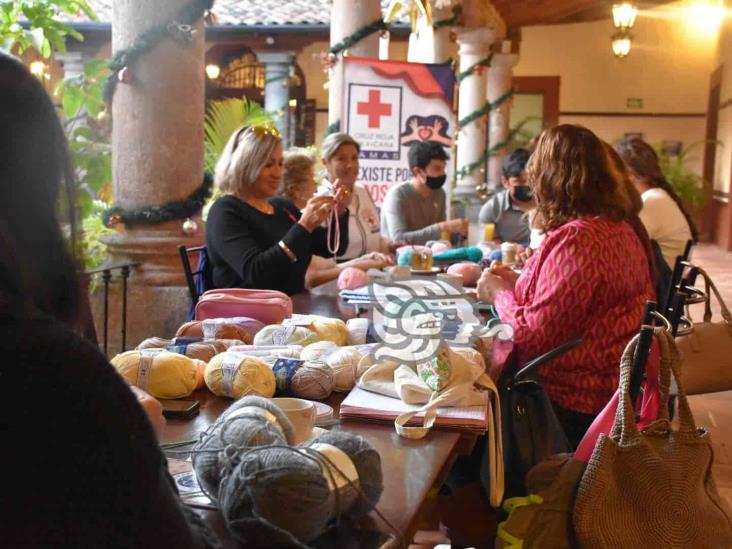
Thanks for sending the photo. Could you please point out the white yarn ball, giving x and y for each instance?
(316, 350)
(344, 362)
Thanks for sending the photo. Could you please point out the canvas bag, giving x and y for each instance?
(267, 306)
(396, 380)
(652, 488)
(707, 350)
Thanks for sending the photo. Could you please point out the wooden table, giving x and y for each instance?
(411, 468)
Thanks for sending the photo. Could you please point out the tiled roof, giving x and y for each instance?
(249, 12)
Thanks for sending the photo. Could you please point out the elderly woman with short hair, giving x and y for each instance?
(255, 239)
(298, 185)
(340, 153)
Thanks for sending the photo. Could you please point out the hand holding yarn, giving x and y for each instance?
(316, 211)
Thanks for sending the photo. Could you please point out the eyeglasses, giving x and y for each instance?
(260, 131)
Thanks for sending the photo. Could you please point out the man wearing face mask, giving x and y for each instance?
(415, 211)
(508, 209)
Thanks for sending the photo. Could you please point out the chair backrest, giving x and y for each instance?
(665, 301)
(194, 279)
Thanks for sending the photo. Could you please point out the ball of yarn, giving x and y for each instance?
(357, 329)
(325, 328)
(235, 375)
(241, 328)
(154, 343)
(249, 422)
(266, 352)
(161, 373)
(200, 372)
(470, 272)
(470, 253)
(316, 350)
(279, 496)
(404, 254)
(344, 363)
(303, 379)
(277, 334)
(438, 246)
(352, 278)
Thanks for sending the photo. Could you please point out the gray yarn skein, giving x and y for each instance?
(280, 495)
(219, 447)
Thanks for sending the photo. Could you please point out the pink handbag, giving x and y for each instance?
(268, 306)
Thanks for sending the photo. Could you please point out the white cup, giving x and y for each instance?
(301, 414)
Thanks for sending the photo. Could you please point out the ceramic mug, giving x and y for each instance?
(301, 414)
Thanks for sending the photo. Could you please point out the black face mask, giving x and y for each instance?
(435, 183)
(522, 193)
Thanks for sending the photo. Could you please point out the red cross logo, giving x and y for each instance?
(374, 108)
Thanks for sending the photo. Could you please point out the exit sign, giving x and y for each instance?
(634, 102)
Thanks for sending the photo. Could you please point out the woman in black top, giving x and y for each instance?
(81, 463)
(253, 238)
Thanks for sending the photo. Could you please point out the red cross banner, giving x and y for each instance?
(388, 106)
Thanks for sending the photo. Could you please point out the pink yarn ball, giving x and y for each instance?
(438, 247)
(469, 271)
(352, 278)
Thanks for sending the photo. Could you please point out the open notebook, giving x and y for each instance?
(365, 405)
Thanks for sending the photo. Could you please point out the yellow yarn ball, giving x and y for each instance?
(160, 373)
(330, 329)
(236, 375)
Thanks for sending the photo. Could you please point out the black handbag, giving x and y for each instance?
(531, 430)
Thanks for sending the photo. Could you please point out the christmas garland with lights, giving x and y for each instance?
(181, 30)
(353, 39)
(475, 68)
(490, 151)
(457, 12)
(155, 215)
(486, 109)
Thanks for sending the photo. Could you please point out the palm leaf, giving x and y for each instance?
(223, 118)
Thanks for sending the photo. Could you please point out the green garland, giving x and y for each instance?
(487, 108)
(353, 39)
(335, 127)
(180, 30)
(457, 12)
(490, 151)
(171, 211)
(486, 62)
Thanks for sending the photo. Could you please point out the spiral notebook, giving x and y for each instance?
(374, 407)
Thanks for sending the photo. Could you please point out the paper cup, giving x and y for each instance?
(301, 414)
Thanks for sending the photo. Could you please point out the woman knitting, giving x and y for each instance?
(590, 277)
(84, 465)
(257, 240)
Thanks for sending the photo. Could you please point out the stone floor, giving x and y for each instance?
(713, 411)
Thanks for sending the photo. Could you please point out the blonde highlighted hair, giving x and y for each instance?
(296, 164)
(246, 153)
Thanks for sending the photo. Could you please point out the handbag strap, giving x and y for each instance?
(625, 428)
(709, 283)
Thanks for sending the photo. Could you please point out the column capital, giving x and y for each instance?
(475, 40)
(275, 57)
(504, 61)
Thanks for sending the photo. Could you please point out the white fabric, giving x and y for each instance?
(665, 223)
(364, 226)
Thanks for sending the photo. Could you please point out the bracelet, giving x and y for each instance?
(288, 252)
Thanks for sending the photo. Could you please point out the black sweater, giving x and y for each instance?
(242, 245)
(81, 463)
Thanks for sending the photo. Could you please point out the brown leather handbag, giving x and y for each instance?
(652, 488)
(707, 349)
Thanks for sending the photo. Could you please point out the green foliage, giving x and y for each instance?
(43, 31)
(95, 251)
(223, 118)
(687, 184)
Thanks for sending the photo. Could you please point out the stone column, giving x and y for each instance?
(277, 67)
(348, 16)
(500, 79)
(474, 44)
(157, 147)
(430, 45)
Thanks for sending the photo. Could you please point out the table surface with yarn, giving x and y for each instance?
(411, 468)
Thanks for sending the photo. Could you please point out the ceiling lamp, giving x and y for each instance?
(621, 44)
(624, 15)
(213, 71)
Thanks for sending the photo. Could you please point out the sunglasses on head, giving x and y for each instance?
(260, 132)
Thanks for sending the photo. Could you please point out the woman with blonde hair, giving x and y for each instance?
(589, 279)
(298, 185)
(255, 239)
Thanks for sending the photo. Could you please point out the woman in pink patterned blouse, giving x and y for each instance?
(590, 277)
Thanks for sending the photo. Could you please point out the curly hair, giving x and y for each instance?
(296, 164)
(571, 177)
